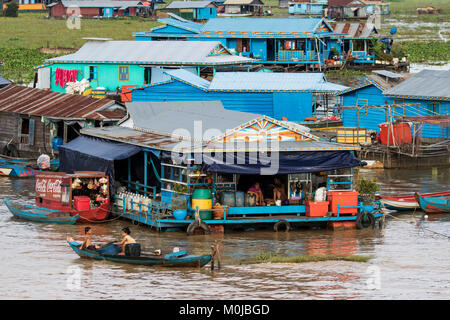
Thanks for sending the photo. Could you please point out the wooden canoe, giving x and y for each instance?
(433, 204)
(36, 214)
(407, 202)
(148, 260)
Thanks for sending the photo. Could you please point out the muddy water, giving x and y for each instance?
(409, 262)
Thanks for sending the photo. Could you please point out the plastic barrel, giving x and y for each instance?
(56, 143)
(202, 198)
(228, 199)
(250, 200)
(240, 199)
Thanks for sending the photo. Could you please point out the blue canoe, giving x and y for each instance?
(433, 204)
(168, 260)
(37, 214)
(21, 168)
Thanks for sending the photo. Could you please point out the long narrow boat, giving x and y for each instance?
(407, 202)
(433, 204)
(36, 214)
(22, 168)
(187, 260)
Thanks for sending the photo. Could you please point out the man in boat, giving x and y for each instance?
(127, 239)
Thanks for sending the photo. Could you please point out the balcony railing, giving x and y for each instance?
(297, 56)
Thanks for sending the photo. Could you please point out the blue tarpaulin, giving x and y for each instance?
(93, 154)
(283, 163)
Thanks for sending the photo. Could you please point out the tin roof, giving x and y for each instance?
(183, 24)
(100, 3)
(262, 25)
(427, 84)
(272, 81)
(188, 78)
(243, 2)
(355, 30)
(153, 53)
(24, 100)
(189, 4)
(4, 82)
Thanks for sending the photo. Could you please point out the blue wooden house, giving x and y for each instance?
(423, 94)
(193, 10)
(268, 40)
(291, 96)
(311, 7)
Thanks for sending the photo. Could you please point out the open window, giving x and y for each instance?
(26, 131)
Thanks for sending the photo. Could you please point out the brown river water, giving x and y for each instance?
(408, 261)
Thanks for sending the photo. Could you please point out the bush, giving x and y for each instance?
(12, 9)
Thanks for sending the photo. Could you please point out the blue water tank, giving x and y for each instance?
(56, 143)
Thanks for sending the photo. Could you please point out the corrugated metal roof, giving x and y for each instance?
(426, 84)
(100, 3)
(188, 4)
(388, 74)
(152, 52)
(186, 118)
(272, 81)
(183, 24)
(189, 78)
(355, 30)
(261, 25)
(243, 2)
(24, 100)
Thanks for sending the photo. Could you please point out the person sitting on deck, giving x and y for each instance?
(256, 190)
(87, 243)
(279, 194)
(127, 239)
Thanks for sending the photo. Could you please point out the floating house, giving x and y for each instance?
(346, 9)
(114, 64)
(376, 100)
(193, 10)
(305, 7)
(185, 148)
(267, 40)
(356, 46)
(35, 121)
(243, 7)
(97, 8)
(292, 96)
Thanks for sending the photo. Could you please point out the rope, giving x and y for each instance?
(103, 221)
(414, 212)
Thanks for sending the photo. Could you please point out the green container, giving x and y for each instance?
(202, 198)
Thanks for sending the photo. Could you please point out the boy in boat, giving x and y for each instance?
(87, 243)
(126, 240)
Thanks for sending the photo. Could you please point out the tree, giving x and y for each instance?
(12, 9)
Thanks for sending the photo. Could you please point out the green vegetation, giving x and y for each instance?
(12, 9)
(424, 52)
(410, 6)
(267, 257)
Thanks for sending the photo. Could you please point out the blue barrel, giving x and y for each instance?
(228, 199)
(240, 199)
(56, 143)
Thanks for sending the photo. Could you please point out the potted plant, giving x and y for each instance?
(179, 203)
(367, 189)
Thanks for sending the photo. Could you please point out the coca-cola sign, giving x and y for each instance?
(48, 188)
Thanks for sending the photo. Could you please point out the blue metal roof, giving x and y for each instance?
(267, 81)
(187, 25)
(268, 25)
(188, 77)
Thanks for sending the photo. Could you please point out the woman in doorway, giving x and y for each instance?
(256, 190)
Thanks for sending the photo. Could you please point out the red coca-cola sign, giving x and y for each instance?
(49, 188)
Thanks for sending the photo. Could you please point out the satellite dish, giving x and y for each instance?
(393, 31)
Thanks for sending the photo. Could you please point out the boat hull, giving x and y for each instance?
(434, 204)
(407, 202)
(43, 215)
(184, 261)
(95, 215)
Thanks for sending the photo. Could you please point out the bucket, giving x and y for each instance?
(240, 199)
(202, 198)
(250, 200)
(228, 199)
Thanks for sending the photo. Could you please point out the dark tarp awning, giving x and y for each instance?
(93, 154)
(283, 163)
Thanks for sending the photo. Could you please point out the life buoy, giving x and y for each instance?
(280, 223)
(10, 150)
(195, 225)
(365, 220)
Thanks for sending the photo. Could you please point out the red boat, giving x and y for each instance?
(83, 193)
(407, 202)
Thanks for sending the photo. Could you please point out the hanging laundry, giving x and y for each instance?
(63, 76)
